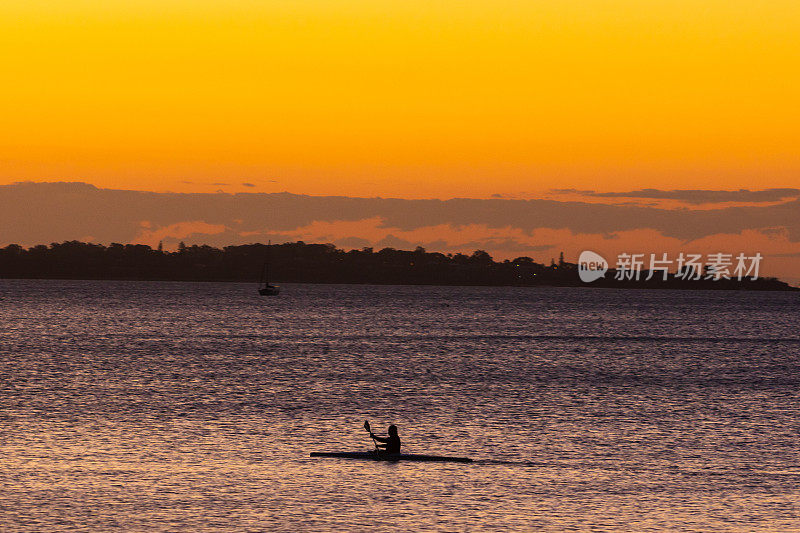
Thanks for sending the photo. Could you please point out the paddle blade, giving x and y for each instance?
(366, 425)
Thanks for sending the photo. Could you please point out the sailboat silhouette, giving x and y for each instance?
(264, 287)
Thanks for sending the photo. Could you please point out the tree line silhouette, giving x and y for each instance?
(299, 262)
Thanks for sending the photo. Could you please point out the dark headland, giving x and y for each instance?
(299, 262)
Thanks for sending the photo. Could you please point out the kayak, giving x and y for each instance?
(373, 456)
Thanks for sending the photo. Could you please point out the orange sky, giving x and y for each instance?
(401, 98)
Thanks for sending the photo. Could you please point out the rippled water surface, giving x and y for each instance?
(193, 407)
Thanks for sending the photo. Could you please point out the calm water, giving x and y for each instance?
(193, 407)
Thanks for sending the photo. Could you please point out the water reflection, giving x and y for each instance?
(193, 407)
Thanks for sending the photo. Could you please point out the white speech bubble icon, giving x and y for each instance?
(591, 266)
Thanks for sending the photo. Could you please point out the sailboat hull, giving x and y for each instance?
(269, 290)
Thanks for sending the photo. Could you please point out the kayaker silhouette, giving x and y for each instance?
(389, 451)
(392, 442)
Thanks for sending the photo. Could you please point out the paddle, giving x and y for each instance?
(366, 426)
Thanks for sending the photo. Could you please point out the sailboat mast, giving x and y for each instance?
(266, 263)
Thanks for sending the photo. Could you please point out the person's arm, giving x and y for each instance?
(377, 438)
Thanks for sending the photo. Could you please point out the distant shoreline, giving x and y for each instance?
(789, 288)
(322, 264)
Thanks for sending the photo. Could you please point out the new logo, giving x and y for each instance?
(591, 266)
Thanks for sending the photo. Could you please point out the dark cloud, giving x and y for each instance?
(537, 248)
(353, 242)
(702, 196)
(390, 241)
(506, 245)
(438, 245)
(247, 184)
(32, 213)
(773, 232)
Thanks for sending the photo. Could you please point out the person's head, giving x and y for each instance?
(393, 430)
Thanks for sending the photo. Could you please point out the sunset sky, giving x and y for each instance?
(412, 99)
